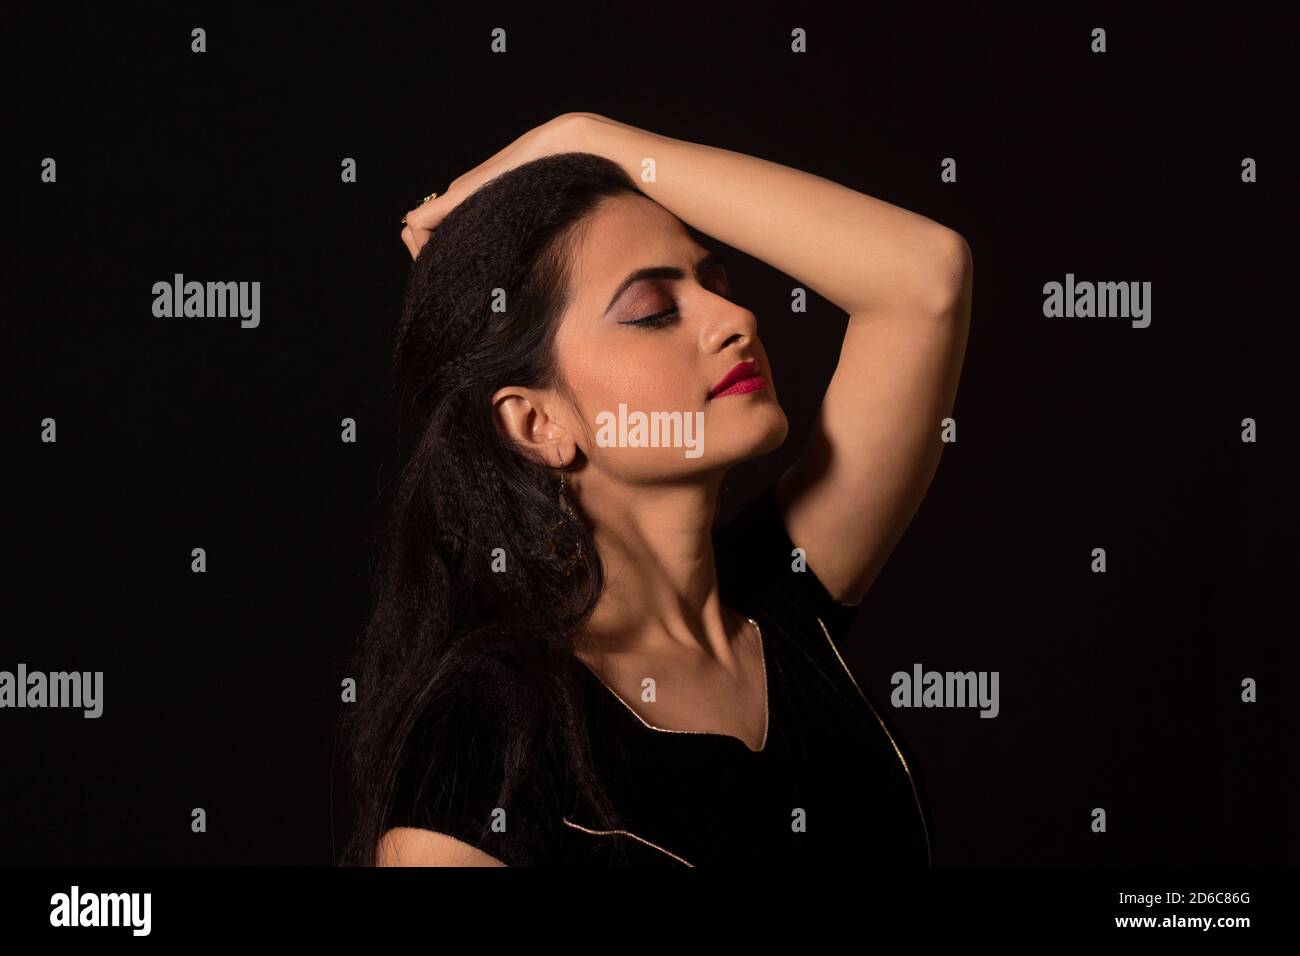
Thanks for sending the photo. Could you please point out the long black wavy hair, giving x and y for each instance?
(443, 620)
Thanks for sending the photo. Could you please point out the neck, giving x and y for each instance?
(661, 585)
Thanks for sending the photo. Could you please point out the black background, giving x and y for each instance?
(222, 690)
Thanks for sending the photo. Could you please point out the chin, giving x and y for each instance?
(777, 433)
(764, 433)
(775, 426)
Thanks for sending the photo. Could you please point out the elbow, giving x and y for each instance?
(952, 271)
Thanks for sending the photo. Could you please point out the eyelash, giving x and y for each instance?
(660, 319)
(654, 321)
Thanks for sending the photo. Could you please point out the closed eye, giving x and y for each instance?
(660, 319)
(656, 320)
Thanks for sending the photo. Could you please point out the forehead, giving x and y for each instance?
(626, 234)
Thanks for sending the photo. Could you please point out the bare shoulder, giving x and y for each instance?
(414, 846)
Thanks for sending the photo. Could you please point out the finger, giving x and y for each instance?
(420, 238)
(415, 240)
(425, 220)
(427, 214)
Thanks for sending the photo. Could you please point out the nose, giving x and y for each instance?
(729, 325)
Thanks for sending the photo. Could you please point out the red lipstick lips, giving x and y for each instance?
(741, 379)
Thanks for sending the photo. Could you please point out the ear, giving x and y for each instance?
(527, 416)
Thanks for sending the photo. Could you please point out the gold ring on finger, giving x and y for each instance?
(421, 203)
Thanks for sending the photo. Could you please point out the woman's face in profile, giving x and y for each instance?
(694, 339)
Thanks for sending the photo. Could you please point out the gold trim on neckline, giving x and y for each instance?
(903, 760)
(767, 701)
(628, 833)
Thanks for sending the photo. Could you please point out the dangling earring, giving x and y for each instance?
(565, 503)
(567, 507)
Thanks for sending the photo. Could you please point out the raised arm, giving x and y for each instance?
(905, 282)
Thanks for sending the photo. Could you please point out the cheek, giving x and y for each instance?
(645, 376)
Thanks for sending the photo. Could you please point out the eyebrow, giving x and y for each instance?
(710, 261)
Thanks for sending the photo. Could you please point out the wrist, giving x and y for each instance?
(615, 141)
(572, 132)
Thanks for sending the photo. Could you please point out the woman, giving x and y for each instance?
(567, 663)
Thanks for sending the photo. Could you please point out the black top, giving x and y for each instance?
(830, 783)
